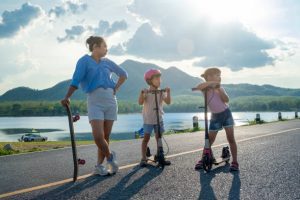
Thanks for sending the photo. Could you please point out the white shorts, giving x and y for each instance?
(102, 104)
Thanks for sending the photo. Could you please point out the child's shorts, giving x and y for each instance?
(102, 104)
(220, 120)
(148, 128)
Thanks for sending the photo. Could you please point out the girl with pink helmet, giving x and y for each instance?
(147, 99)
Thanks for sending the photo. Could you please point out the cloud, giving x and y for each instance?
(68, 7)
(172, 36)
(72, 34)
(105, 29)
(14, 21)
(117, 50)
(15, 59)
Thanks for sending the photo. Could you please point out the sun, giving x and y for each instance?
(227, 10)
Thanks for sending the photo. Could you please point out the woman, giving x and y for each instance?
(94, 74)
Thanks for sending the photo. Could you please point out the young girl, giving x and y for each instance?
(221, 115)
(147, 99)
(93, 73)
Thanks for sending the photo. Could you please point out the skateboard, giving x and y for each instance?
(77, 161)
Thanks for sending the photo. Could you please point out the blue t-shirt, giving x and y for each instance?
(91, 75)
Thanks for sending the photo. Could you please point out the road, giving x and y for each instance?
(269, 157)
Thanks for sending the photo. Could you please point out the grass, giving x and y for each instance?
(26, 147)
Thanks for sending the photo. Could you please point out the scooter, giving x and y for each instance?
(208, 159)
(159, 157)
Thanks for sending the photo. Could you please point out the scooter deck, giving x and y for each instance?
(221, 160)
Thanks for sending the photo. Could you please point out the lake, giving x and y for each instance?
(124, 128)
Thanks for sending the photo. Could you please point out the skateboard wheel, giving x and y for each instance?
(81, 162)
(76, 118)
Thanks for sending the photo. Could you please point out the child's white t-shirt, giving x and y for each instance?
(149, 112)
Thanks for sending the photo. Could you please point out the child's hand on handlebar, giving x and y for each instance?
(144, 91)
(168, 90)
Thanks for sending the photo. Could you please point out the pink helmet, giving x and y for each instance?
(150, 73)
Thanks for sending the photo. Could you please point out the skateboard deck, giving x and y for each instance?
(76, 161)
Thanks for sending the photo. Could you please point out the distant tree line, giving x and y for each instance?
(179, 104)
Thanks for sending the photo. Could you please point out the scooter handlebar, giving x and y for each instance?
(155, 91)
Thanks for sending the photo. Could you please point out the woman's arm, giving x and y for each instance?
(121, 80)
(66, 100)
(120, 72)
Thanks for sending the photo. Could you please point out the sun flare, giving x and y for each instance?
(229, 10)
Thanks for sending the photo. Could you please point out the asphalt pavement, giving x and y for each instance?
(268, 154)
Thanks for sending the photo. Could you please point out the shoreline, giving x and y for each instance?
(30, 147)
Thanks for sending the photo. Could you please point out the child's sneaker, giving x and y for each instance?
(199, 165)
(100, 170)
(112, 163)
(234, 166)
(143, 163)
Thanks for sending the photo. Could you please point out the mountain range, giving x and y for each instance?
(179, 82)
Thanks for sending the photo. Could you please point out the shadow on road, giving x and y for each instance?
(207, 191)
(124, 191)
(70, 190)
(235, 186)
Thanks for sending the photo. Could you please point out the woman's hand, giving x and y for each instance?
(65, 102)
(115, 91)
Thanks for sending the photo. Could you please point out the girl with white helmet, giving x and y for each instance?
(147, 99)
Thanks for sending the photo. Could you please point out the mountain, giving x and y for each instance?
(179, 82)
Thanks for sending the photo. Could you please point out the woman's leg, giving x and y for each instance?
(99, 138)
(232, 143)
(108, 124)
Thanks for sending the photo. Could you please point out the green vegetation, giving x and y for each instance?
(183, 103)
(25, 147)
(265, 103)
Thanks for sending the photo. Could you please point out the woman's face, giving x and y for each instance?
(101, 50)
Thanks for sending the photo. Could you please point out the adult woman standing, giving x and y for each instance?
(94, 74)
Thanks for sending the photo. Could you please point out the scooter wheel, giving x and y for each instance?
(207, 163)
(225, 152)
(161, 159)
(81, 161)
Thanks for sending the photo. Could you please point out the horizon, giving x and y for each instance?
(41, 48)
(150, 64)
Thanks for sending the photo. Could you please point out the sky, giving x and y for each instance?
(251, 41)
